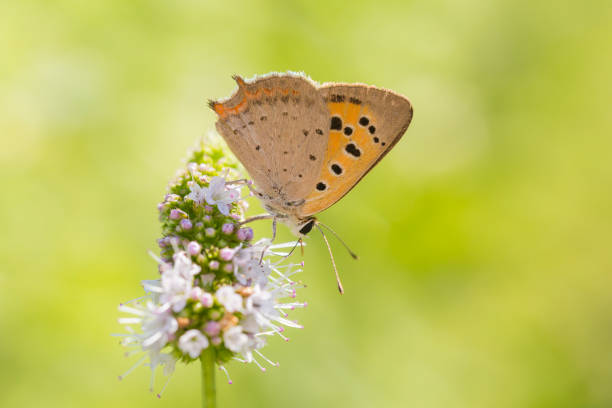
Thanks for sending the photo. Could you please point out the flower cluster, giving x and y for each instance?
(218, 292)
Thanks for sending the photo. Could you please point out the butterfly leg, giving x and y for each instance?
(246, 182)
(263, 217)
(271, 240)
(298, 242)
(240, 181)
(256, 218)
(273, 229)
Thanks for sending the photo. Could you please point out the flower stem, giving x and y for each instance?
(209, 393)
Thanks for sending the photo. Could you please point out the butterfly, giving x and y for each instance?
(307, 145)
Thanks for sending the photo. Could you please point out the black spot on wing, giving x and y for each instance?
(353, 150)
(336, 123)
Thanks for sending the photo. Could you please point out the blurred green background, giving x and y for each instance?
(485, 270)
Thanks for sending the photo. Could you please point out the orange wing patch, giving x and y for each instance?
(238, 104)
(353, 148)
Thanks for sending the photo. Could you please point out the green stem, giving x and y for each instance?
(207, 358)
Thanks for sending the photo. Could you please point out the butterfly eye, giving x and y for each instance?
(307, 228)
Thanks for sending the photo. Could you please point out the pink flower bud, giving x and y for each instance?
(194, 248)
(245, 234)
(226, 254)
(206, 299)
(227, 228)
(196, 293)
(212, 328)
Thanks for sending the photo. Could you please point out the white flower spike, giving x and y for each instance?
(219, 296)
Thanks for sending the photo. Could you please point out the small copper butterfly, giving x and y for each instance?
(306, 145)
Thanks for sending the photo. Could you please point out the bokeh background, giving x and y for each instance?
(485, 270)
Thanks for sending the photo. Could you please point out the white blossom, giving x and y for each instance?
(176, 291)
(183, 266)
(177, 282)
(218, 194)
(261, 303)
(227, 296)
(197, 194)
(156, 321)
(234, 339)
(193, 342)
(249, 268)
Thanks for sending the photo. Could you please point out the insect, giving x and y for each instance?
(307, 145)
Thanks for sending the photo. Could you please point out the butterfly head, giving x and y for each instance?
(302, 226)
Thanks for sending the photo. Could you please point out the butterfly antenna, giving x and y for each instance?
(354, 255)
(331, 255)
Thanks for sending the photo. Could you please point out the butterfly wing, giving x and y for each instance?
(365, 122)
(277, 126)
